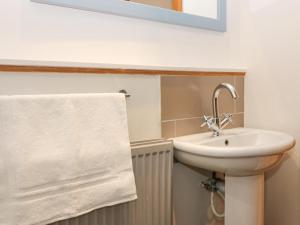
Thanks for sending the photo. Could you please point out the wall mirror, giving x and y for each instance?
(205, 14)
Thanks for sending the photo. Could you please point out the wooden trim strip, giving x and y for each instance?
(90, 70)
(177, 5)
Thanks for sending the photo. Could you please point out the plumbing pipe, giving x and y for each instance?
(212, 204)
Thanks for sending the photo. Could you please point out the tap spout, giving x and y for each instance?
(215, 98)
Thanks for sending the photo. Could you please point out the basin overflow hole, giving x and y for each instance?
(226, 142)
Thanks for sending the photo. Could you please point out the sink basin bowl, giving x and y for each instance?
(236, 152)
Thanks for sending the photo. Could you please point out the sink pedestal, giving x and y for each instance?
(244, 200)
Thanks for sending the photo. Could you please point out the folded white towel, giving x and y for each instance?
(62, 156)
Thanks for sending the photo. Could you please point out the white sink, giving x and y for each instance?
(244, 155)
(237, 152)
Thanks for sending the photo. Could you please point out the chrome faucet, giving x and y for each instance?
(215, 123)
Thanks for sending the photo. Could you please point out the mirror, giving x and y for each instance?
(204, 8)
(205, 14)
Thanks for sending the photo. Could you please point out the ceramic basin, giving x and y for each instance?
(236, 152)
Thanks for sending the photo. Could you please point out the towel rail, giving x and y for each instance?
(123, 91)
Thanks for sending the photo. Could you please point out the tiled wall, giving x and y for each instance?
(185, 99)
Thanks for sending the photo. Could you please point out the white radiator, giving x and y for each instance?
(152, 166)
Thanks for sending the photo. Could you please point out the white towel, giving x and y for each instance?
(62, 156)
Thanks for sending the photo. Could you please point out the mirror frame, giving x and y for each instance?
(137, 10)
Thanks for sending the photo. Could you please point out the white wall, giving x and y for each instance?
(143, 106)
(271, 45)
(40, 32)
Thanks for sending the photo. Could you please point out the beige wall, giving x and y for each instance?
(184, 101)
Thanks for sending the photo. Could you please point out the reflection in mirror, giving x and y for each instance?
(167, 4)
(205, 8)
(205, 14)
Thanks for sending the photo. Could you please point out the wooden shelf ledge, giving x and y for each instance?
(37, 67)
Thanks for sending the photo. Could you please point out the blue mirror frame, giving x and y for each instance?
(131, 9)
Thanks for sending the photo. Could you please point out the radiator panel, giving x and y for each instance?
(152, 165)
